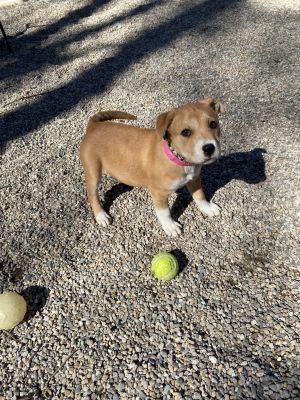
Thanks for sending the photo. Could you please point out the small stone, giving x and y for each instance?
(213, 360)
(197, 396)
(166, 390)
(180, 381)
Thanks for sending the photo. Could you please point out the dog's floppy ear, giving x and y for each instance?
(216, 104)
(163, 122)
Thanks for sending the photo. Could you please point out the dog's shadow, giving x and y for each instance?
(112, 194)
(247, 166)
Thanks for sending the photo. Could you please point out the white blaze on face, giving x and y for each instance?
(199, 156)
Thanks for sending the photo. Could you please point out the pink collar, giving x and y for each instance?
(172, 157)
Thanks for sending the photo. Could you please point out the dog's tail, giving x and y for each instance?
(108, 115)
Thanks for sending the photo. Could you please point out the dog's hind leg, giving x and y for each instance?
(93, 171)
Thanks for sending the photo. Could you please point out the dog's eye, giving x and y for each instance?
(186, 133)
(213, 124)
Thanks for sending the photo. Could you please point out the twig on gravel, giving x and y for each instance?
(29, 26)
(58, 369)
(63, 364)
(11, 336)
(281, 323)
(34, 95)
(32, 254)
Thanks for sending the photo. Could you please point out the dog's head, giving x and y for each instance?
(193, 130)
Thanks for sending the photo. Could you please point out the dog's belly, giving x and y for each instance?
(130, 179)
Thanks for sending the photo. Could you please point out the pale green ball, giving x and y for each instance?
(164, 266)
(12, 309)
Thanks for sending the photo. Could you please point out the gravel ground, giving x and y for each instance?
(99, 326)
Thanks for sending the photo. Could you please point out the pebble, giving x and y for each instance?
(213, 359)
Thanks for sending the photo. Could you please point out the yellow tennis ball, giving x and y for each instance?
(164, 266)
(12, 309)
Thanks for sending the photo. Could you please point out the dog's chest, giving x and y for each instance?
(189, 174)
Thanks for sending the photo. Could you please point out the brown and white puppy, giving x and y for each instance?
(163, 159)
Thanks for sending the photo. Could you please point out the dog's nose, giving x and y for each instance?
(208, 149)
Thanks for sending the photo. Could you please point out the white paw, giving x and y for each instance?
(103, 219)
(172, 228)
(208, 208)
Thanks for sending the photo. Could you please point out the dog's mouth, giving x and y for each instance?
(210, 160)
(177, 155)
(184, 161)
(214, 157)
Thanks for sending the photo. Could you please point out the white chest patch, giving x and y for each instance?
(188, 174)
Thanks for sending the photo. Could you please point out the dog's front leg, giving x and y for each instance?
(207, 208)
(160, 200)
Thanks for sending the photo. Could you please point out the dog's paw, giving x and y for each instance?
(172, 228)
(103, 218)
(208, 208)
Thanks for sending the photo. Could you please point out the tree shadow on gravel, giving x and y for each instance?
(97, 79)
(54, 53)
(246, 166)
(21, 39)
(9, 274)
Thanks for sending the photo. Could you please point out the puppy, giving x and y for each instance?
(163, 159)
